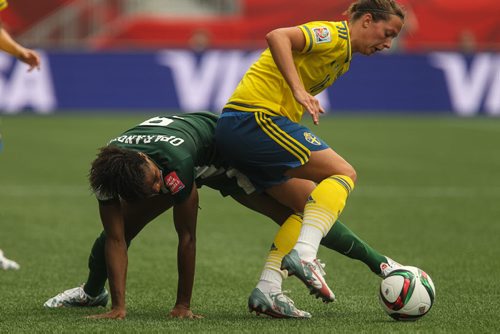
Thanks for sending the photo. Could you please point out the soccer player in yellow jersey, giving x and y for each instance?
(259, 133)
(31, 58)
(9, 45)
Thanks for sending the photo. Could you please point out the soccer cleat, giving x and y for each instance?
(388, 267)
(7, 264)
(310, 273)
(77, 297)
(276, 305)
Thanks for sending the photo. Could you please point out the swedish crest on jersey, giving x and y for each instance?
(309, 137)
(322, 35)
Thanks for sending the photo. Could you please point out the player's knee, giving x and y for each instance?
(298, 206)
(348, 171)
(351, 172)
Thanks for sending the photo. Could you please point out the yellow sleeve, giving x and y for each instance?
(319, 35)
(3, 4)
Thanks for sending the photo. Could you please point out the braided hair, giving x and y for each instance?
(119, 172)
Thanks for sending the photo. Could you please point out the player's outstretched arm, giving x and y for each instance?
(25, 55)
(116, 257)
(185, 219)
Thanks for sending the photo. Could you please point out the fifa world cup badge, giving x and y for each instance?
(322, 35)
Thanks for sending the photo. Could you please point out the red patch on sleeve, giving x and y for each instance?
(173, 183)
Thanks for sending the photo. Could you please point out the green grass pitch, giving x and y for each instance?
(428, 195)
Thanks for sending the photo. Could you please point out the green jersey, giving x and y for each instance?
(182, 146)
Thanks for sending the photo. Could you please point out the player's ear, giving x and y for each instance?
(366, 20)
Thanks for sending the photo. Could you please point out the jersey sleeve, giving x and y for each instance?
(323, 35)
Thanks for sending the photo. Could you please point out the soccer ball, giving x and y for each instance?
(407, 293)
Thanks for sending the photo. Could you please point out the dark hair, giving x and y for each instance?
(118, 172)
(379, 9)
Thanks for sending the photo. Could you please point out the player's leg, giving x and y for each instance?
(92, 292)
(321, 209)
(335, 180)
(265, 205)
(267, 296)
(342, 240)
(325, 204)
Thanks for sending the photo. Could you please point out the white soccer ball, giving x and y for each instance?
(407, 293)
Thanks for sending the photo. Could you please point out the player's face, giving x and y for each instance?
(377, 36)
(152, 176)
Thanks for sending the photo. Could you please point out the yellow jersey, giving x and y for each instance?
(325, 57)
(3, 4)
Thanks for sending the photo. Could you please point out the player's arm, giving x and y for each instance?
(282, 42)
(25, 55)
(116, 256)
(185, 219)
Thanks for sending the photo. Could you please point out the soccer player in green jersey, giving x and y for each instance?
(148, 169)
(158, 165)
(258, 132)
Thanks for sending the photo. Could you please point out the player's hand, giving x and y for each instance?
(311, 104)
(183, 312)
(31, 58)
(113, 314)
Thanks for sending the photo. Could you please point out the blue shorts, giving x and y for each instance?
(263, 147)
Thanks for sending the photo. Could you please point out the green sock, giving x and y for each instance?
(98, 273)
(97, 268)
(341, 239)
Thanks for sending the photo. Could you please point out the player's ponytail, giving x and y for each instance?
(379, 9)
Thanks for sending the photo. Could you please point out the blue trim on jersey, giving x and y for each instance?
(264, 147)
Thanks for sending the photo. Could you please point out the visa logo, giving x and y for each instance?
(471, 86)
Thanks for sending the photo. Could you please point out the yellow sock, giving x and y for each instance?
(271, 277)
(323, 208)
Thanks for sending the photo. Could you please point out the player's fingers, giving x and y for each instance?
(321, 109)
(314, 117)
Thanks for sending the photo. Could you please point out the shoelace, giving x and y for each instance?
(320, 266)
(71, 293)
(287, 299)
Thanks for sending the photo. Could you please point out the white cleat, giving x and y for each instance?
(388, 267)
(7, 264)
(77, 297)
(276, 305)
(310, 273)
